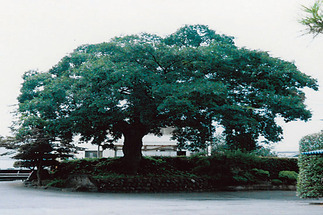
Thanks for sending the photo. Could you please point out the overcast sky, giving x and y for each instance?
(36, 34)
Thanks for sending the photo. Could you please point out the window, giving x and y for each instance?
(91, 154)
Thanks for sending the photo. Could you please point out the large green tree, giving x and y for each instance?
(189, 80)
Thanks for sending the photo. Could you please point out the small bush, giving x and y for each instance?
(203, 166)
(249, 176)
(260, 174)
(288, 177)
(276, 182)
(60, 183)
(156, 166)
(241, 180)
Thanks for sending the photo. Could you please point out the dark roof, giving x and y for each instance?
(315, 152)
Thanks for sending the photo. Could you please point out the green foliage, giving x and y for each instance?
(60, 183)
(314, 19)
(252, 176)
(264, 152)
(274, 165)
(234, 168)
(86, 166)
(276, 182)
(154, 166)
(311, 142)
(106, 166)
(310, 176)
(187, 80)
(245, 179)
(288, 176)
(261, 174)
(243, 167)
(36, 149)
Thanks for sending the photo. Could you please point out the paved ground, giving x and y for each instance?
(15, 199)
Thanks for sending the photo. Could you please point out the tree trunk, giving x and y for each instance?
(132, 148)
(98, 152)
(39, 172)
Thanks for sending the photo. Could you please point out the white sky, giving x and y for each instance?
(36, 34)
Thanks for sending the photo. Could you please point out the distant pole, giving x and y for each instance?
(98, 153)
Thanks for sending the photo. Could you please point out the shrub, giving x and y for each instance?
(156, 166)
(241, 159)
(288, 177)
(260, 174)
(221, 169)
(275, 165)
(87, 166)
(203, 166)
(249, 176)
(276, 182)
(60, 183)
(244, 177)
(241, 180)
(310, 184)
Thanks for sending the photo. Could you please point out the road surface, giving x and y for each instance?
(15, 199)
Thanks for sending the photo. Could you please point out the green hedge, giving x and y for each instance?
(223, 169)
(310, 178)
(241, 168)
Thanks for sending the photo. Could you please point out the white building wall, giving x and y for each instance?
(152, 146)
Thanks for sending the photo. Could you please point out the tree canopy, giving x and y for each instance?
(189, 80)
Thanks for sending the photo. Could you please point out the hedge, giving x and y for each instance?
(208, 173)
(310, 178)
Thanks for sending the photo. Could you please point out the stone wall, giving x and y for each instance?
(178, 184)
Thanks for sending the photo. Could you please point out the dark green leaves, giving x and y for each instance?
(188, 80)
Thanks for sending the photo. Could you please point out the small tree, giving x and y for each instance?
(310, 178)
(36, 149)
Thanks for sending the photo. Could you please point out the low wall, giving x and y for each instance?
(156, 185)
